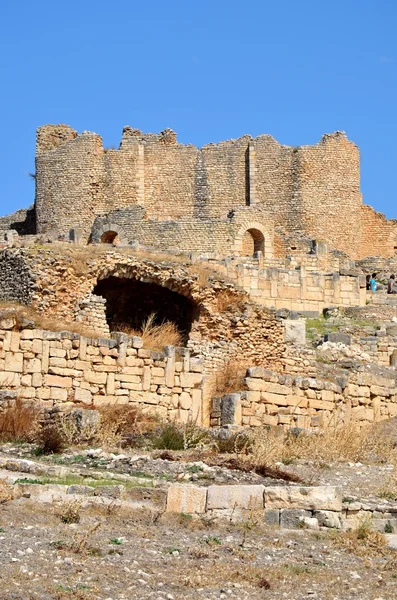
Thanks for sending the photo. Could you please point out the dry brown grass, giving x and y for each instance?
(389, 487)
(19, 422)
(21, 313)
(343, 443)
(155, 337)
(229, 300)
(363, 541)
(117, 425)
(230, 378)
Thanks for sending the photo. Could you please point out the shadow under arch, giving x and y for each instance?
(130, 301)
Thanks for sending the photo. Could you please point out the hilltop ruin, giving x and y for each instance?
(235, 244)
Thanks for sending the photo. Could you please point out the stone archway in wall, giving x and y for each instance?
(109, 233)
(110, 237)
(252, 238)
(130, 302)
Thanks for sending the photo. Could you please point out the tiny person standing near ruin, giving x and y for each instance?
(390, 285)
(373, 283)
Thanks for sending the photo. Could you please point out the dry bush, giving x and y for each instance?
(82, 541)
(155, 337)
(6, 491)
(51, 439)
(19, 422)
(174, 436)
(336, 443)
(363, 541)
(119, 423)
(229, 300)
(230, 379)
(69, 511)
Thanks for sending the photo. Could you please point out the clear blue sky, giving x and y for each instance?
(211, 70)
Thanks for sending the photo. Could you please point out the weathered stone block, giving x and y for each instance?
(308, 498)
(190, 380)
(57, 381)
(95, 377)
(293, 518)
(189, 499)
(14, 362)
(235, 496)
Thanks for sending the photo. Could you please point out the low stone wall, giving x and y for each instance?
(286, 506)
(273, 399)
(61, 370)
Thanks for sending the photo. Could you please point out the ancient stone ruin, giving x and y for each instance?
(235, 244)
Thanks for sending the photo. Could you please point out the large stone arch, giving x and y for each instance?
(133, 294)
(253, 236)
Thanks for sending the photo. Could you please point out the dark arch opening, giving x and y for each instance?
(108, 237)
(129, 302)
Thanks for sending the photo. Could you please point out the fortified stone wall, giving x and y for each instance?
(299, 288)
(59, 370)
(311, 189)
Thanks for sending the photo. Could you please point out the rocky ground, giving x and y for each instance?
(110, 551)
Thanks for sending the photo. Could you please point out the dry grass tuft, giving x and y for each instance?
(389, 488)
(343, 443)
(120, 423)
(22, 314)
(19, 422)
(155, 337)
(229, 300)
(230, 379)
(363, 541)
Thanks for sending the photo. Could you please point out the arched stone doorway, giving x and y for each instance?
(110, 237)
(129, 303)
(252, 241)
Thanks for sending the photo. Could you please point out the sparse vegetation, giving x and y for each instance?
(230, 379)
(155, 337)
(6, 491)
(229, 299)
(69, 511)
(172, 436)
(26, 315)
(19, 422)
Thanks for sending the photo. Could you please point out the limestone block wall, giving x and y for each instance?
(274, 399)
(300, 288)
(59, 370)
(381, 348)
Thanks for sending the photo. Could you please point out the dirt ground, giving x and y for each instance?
(115, 554)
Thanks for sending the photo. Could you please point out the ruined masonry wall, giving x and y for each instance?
(274, 399)
(59, 370)
(311, 189)
(300, 288)
(378, 235)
